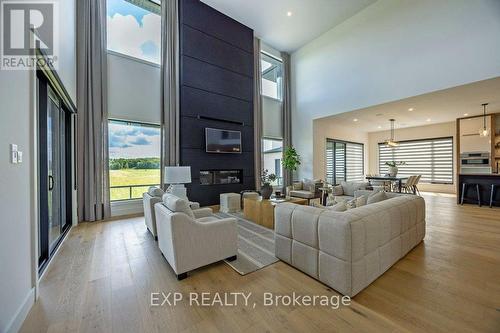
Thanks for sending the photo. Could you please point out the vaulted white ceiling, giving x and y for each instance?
(270, 21)
(432, 108)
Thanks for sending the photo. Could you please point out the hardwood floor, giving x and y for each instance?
(102, 278)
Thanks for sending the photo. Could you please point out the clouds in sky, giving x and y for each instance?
(133, 31)
(133, 141)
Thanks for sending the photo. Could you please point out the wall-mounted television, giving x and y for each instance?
(222, 141)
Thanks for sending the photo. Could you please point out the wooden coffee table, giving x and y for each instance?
(261, 211)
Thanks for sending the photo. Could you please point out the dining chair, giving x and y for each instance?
(416, 183)
(407, 187)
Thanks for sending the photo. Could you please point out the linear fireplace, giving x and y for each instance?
(217, 177)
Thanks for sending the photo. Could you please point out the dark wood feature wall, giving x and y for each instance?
(216, 79)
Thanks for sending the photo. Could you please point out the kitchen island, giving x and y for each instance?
(485, 181)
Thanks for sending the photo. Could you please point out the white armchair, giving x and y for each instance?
(191, 239)
(149, 199)
(154, 196)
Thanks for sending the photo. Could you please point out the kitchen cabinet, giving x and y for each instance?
(470, 140)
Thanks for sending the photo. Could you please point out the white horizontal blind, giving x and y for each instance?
(431, 158)
(355, 162)
(344, 161)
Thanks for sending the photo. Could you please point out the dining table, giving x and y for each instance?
(387, 178)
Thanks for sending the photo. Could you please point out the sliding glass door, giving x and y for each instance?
(54, 172)
(344, 161)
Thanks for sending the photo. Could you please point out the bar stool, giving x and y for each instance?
(492, 194)
(464, 189)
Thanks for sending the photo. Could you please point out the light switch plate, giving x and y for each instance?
(19, 157)
(13, 156)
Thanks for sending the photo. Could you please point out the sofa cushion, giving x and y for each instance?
(207, 219)
(302, 194)
(297, 186)
(350, 187)
(177, 205)
(376, 197)
(155, 191)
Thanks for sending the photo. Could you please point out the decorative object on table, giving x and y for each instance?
(484, 131)
(266, 189)
(393, 167)
(176, 177)
(278, 194)
(230, 202)
(391, 142)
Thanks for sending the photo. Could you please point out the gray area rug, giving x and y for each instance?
(255, 245)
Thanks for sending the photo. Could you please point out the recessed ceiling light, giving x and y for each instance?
(428, 119)
(355, 119)
(411, 109)
(380, 127)
(466, 114)
(289, 14)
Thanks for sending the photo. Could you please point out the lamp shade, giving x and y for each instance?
(177, 175)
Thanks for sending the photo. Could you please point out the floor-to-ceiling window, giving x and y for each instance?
(134, 28)
(272, 115)
(134, 159)
(272, 153)
(344, 161)
(134, 52)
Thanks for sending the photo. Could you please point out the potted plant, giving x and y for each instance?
(393, 167)
(291, 159)
(266, 179)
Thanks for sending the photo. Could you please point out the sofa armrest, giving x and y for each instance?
(203, 212)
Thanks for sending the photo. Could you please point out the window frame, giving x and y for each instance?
(280, 83)
(345, 142)
(136, 123)
(452, 159)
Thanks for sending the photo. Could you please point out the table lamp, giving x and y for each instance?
(176, 177)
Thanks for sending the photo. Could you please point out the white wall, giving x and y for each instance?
(329, 129)
(416, 133)
(134, 90)
(17, 252)
(391, 50)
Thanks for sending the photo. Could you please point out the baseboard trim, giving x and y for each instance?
(15, 325)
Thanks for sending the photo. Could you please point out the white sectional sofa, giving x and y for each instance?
(349, 250)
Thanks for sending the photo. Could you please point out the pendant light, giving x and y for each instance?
(484, 131)
(391, 142)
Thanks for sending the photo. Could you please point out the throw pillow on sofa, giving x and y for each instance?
(297, 186)
(340, 207)
(376, 197)
(350, 204)
(362, 200)
(351, 187)
(338, 190)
